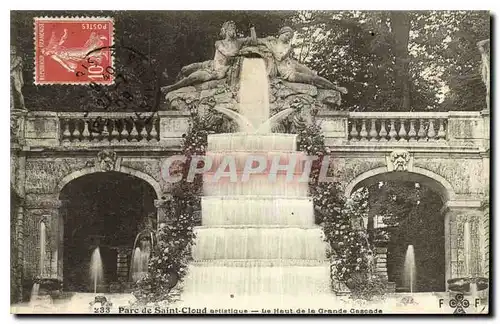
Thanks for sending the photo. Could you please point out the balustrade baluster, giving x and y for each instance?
(106, 131)
(412, 133)
(363, 134)
(124, 133)
(421, 131)
(373, 130)
(133, 132)
(441, 135)
(431, 134)
(383, 131)
(354, 131)
(392, 131)
(95, 130)
(66, 133)
(153, 133)
(144, 133)
(114, 132)
(76, 133)
(85, 133)
(402, 130)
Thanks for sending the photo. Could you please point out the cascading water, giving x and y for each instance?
(34, 293)
(409, 271)
(258, 237)
(96, 269)
(140, 260)
(254, 92)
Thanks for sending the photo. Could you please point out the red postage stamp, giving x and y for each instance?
(73, 50)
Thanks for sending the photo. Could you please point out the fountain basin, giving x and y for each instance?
(464, 285)
(253, 280)
(49, 286)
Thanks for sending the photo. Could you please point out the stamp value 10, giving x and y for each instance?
(62, 47)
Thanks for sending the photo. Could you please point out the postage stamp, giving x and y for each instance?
(73, 50)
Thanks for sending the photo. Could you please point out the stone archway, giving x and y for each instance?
(412, 230)
(89, 170)
(105, 210)
(424, 176)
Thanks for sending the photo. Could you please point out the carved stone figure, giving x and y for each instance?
(289, 69)
(399, 160)
(107, 160)
(216, 69)
(484, 47)
(16, 80)
(215, 83)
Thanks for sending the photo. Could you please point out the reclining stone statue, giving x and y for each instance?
(216, 69)
(289, 69)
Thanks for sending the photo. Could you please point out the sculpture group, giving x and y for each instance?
(214, 83)
(277, 52)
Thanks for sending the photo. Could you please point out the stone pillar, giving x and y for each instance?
(122, 263)
(63, 212)
(458, 214)
(485, 238)
(43, 208)
(17, 253)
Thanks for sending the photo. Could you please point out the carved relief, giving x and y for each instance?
(399, 160)
(43, 175)
(107, 160)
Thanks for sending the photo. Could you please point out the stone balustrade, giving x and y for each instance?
(111, 127)
(453, 129)
(402, 127)
(77, 129)
(341, 129)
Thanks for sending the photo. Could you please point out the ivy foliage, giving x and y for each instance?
(168, 264)
(350, 252)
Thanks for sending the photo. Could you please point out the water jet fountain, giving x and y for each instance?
(409, 270)
(471, 283)
(96, 269)
(140, 255)
(43, 287)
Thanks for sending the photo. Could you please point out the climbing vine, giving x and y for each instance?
(172, 253)
(341, 218)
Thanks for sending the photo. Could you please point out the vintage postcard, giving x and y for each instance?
(250, 162)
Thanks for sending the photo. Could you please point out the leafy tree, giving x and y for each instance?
(398, 60)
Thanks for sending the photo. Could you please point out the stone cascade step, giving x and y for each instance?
(257, 210)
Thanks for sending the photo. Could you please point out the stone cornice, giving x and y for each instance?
(461, 204)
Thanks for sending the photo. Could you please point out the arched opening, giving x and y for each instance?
(105, 210)
(407, 222)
